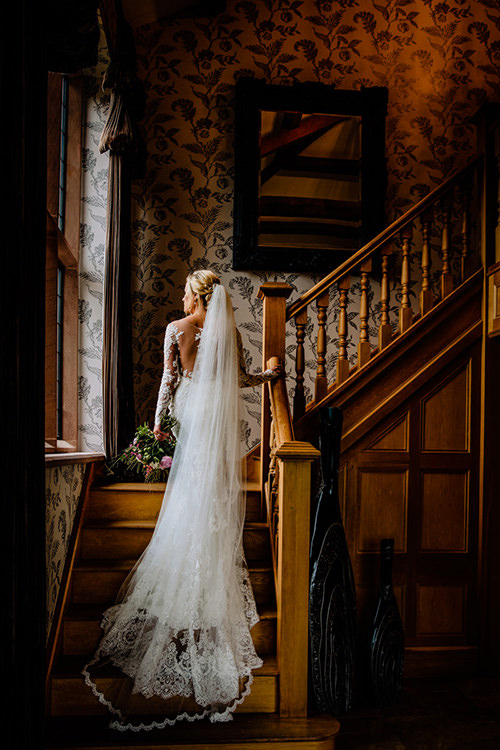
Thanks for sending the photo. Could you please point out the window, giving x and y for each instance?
(64, 122)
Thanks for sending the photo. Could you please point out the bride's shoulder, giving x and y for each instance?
(175, 328)
(178, 325)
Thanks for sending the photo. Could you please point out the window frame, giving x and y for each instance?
(62, 251)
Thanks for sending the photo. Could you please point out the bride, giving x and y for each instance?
(181, 628)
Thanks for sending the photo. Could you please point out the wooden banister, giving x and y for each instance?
(292, 574)
(274, 296)
(381, 239)
(288, 504)
(387, 263)
(394, 263)
(280, 409)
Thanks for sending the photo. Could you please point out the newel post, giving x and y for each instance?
(274, 295)
(294, 498)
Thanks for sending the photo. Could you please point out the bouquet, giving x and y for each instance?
(146, 456)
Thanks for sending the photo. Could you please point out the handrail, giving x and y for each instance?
(381, 239)
(280, 408)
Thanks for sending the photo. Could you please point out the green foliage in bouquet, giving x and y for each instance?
(146, 456)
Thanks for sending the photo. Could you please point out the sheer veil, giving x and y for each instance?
(181, 629)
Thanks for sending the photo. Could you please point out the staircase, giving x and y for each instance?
(393, 337)
(410, 463)
(118, 524)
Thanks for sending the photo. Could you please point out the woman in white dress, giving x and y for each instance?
(181, 628)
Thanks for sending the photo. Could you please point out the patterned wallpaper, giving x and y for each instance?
(63, 485)
(439, 60)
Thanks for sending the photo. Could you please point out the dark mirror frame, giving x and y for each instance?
(254, 95)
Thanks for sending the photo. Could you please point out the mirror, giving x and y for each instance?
(310, 175)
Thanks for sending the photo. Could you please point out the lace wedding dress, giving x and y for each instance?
(180, 631)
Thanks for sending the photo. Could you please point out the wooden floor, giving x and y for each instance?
(245, 732)
(438, 715)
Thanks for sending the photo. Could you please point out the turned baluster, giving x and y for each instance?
(320, 385)
(426, 296)
(342, 361)
(299, 400)
(273, 488)
(273, 296)
(464, 199)
(385, 330)
(405, 311)
(364, 349)
(446, 277)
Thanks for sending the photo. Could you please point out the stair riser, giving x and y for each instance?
(121, 505)
(81, 637)
(128, 544)
(71, 697)
(102, 586)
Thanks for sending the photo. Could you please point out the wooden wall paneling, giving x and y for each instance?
(415, 478)
(395, 438)
(441, 609)
(446, 414)
(383, 507)
(445, 511)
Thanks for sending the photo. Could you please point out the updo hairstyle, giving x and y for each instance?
(202, 283)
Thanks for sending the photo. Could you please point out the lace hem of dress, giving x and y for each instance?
(205, 662)
(214, 716)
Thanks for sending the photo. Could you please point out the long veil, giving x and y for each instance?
(181, 629)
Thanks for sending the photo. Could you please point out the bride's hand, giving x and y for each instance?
(278, 371)
(160, 434)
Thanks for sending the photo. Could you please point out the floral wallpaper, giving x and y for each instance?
(439, 61)
(92, 243)
(63, 485)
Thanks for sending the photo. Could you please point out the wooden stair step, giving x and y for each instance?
(70, 696)
(82, 631)
(98, 581)
(135, 501)
(245, 732)
(128, 539)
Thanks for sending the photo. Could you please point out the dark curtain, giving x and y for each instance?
(122, 139)
(29, 33)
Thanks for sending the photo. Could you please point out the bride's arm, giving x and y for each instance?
(245, 378)
(170, 375)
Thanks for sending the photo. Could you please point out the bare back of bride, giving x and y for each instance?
(180, 630)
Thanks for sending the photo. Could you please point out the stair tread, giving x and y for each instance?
(94, 611)
(251, 486)
(94, 732)
(67, 667)
(149, 524)
(111, 565)
(130, 487)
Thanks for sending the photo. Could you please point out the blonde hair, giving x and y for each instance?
(202, 283)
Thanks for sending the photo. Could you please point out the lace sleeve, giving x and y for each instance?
(247, 380)
(170, 371)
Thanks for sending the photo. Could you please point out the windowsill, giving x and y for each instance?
(64, 459)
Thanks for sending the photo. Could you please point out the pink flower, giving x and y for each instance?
(166, 462)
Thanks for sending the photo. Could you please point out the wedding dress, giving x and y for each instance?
(181, 628)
